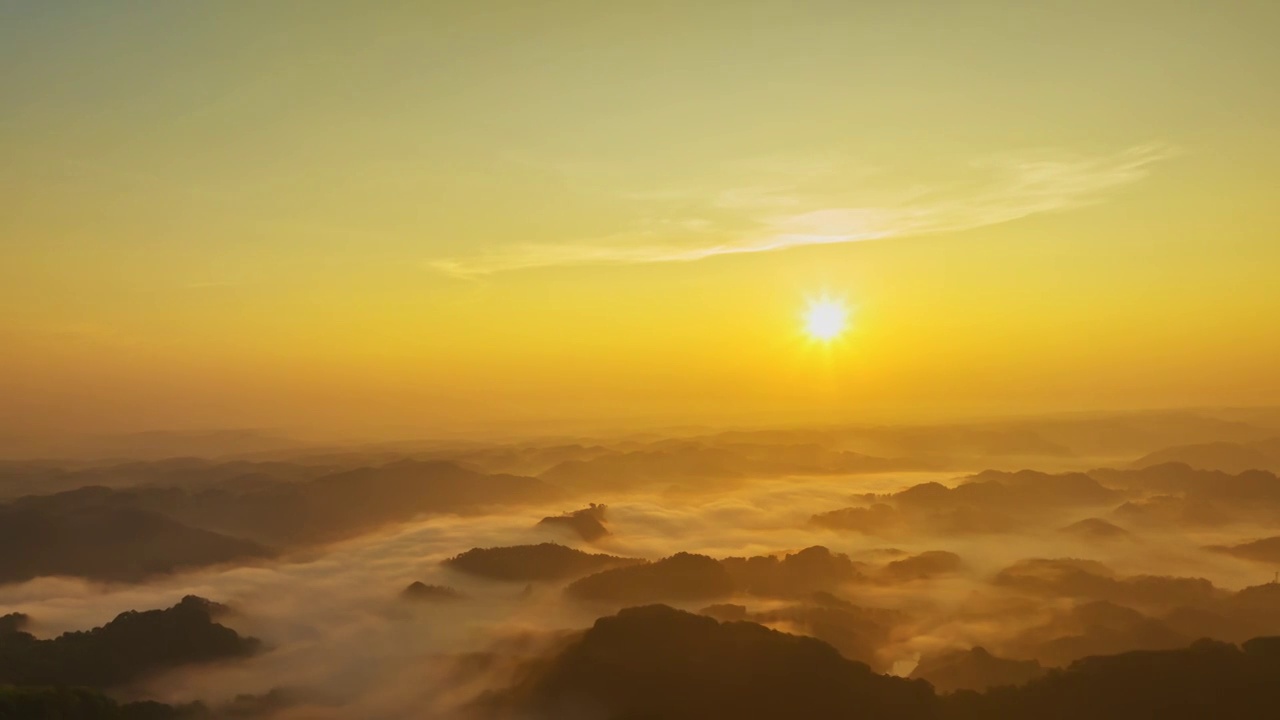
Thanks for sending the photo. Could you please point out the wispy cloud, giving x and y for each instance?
(780, 216)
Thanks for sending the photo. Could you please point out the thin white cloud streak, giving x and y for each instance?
(1008, 189)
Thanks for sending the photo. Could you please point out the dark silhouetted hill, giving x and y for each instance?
(1266, 550)
(1004, 489)
(858, 633)
(876, 519)
(681, 577)
(106, 542)
(1096, 529)
(587, 523)
(1173, 510)
(128, 534)
(1251, 612)
(929, 564)
(797, 574)
(990, 502)
(726, 612)
(132, 645)
(343, 504)
(1075, 578)
(72, 703)
(1227, 457)
(656, 662)
(1096, 627)
(696, 577)
(421, 592)
(1176, 492)
(1206, 680)
(329, 507)
(529, 563)
(68, 703)
(13, 622)
(974, 669)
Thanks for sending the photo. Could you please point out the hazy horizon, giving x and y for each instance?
(82, 445)
(350, 219)
(571, 360)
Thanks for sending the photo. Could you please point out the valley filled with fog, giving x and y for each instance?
(985, 569)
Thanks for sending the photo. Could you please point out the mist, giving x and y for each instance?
(896, 569)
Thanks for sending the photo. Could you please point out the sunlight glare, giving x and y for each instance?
(825, 318)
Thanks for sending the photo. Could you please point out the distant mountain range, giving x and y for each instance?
(129, 533)
(1225, 456)
(658, 662)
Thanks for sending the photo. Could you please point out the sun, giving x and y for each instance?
(825, 319)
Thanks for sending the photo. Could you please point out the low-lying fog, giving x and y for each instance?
(1030, 566)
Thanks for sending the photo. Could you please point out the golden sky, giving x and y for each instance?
(389, 218)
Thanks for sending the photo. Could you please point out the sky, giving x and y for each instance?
(389, 218)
